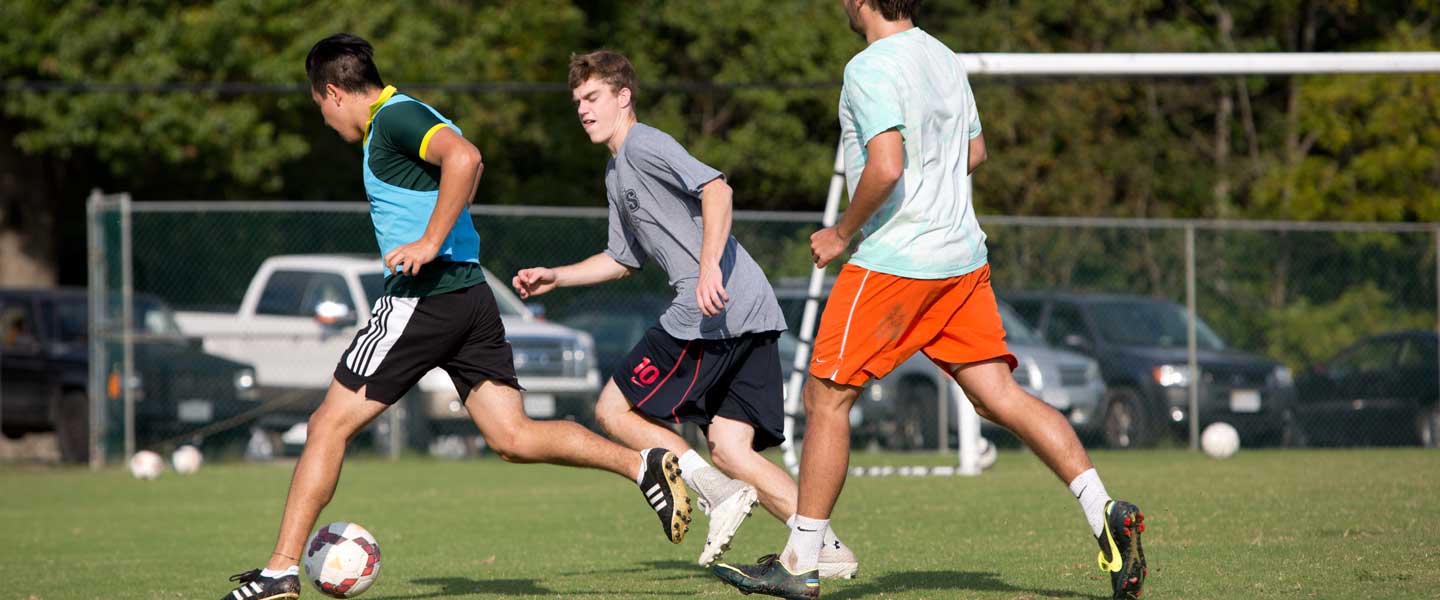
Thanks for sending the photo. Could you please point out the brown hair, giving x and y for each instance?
(611, 67)
(345, 61)
(895, 10)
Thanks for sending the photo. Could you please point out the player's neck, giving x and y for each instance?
(622, 131)
(882, 29)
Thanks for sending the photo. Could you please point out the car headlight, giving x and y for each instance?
(1282, 377)
(1171, 375)
(245, 385)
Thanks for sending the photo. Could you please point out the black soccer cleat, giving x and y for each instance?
(665, 492)
(1120, 551)
(254, 586)
(770, 577)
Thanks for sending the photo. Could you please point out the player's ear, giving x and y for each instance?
(333, 93)
(625, 98)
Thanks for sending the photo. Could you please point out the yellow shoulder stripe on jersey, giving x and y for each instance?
(425, 142)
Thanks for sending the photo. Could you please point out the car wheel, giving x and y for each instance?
(72, 426)
(915, 416)
(1127, 424)
(1429, 426)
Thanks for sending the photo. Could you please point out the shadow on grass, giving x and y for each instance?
(942, 581)
(460, 586)
(651, 566)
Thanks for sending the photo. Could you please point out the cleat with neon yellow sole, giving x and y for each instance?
(770, 577)
(1120, 552)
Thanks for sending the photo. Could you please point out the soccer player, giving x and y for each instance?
(919, 281)
(713, 358)
(420, 174)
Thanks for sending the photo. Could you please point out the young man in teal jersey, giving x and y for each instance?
(419, 175)
(919, 281)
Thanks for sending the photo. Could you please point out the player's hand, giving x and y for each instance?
(407, 259)
(827, 244)
(533, 282)
(710, 291)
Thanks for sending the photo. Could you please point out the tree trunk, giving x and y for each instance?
(28, 210)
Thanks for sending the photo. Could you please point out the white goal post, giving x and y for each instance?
(1075, 65)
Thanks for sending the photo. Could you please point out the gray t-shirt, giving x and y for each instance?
(654, 189)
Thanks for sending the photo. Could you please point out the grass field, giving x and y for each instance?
(1294, 524)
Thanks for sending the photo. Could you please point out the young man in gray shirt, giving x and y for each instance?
(713, 359)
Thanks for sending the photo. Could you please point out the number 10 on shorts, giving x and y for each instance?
(645, 373)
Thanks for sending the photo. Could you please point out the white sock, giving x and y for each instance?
(806, 537)
(1091, 494)
(644, 460)
(830, 540)
(691, 461)
(293, 570)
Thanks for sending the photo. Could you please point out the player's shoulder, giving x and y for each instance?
(644, 142)
(405, 112)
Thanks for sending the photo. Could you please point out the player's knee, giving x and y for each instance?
(728, 456)
(507, 445)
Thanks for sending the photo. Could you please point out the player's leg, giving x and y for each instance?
(341, 415)
(972, 348)
(733, 450)
(624, 424)
(499, 412)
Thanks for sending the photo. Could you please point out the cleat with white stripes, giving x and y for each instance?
(665, 492)
(254, 586)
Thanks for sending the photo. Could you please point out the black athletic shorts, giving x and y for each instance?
(458, 331)
(695, 381)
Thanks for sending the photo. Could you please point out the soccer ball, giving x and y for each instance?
(988, 454)
(1220, 440)
(186, 459)
(342, 560)
(146, 465)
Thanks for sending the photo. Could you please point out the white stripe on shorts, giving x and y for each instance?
(846, 336)
(391, 316)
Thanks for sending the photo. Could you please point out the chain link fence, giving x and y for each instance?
(1307, 334)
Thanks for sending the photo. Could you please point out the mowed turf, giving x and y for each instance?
(1264, 524)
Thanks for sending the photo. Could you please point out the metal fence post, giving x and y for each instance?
(1192, 362)
(127, 320)
(96, 259)
(1437, 305)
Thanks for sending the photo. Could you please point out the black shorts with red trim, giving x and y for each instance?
(694, 381)
(459, 331)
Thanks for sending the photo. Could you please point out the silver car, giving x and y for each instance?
(902, 411)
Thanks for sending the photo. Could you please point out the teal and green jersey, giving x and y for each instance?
(403, 188)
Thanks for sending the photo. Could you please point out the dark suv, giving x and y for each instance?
(44, 372)
(1140, 344)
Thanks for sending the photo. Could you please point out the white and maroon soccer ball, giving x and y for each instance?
(342, 560)
(146, 464)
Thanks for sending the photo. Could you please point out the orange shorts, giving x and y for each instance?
(875, 321)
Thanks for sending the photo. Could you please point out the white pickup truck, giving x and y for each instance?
(300, 312)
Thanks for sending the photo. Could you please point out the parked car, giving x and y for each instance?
(1140, 344)
(44, 372)
(902, 410)
(1382, 389)
(300, 313)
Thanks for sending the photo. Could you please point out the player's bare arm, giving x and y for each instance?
(716, 203)
(536, 281)
(883, 169)
(977, 152)
(460, 169)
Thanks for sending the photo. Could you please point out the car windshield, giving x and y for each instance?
(155, 318)
(510, 305)
(1154, 324)
(1017, 331)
